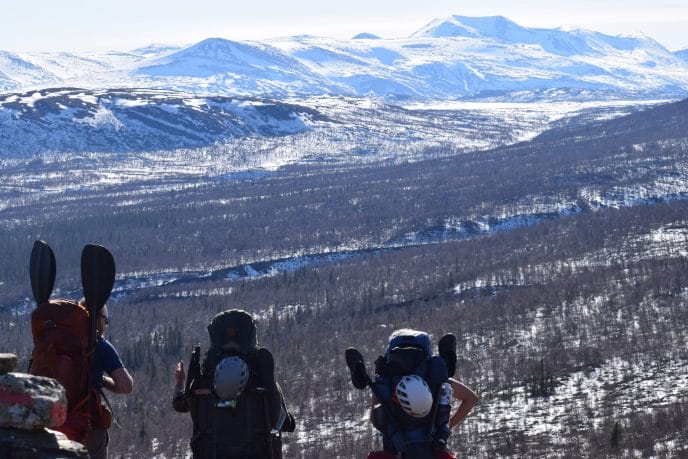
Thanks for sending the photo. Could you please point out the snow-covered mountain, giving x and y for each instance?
(15, 71)
(247, 68)
(454, 57)
(562, 42)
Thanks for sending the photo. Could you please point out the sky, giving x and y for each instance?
(98, 25)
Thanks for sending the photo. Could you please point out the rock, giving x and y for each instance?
(8, 362)
(38, 444)
(31, 402)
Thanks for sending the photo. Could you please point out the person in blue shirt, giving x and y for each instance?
(108, 373)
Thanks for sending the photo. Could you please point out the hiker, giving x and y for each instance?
(69, 343)
(412, 391)
(108, 373)
(237, 408)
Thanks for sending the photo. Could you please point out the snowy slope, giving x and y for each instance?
(7, 83)
(23, 72)
(683, 54)
(219, 66)
(564, 42)
(75, 120)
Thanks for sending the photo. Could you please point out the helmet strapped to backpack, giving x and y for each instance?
(414, 396)
(230, 378)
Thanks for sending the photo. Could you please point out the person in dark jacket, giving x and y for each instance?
(236, 406)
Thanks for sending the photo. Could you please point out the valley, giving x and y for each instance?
(570, 274)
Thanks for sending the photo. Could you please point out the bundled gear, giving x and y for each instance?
(64, 336)
(236, 406)
(409, 385)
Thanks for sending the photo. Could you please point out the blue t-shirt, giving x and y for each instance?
(106, 361)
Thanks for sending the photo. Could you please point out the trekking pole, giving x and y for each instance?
(194, 369)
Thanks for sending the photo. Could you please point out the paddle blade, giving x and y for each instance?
(42, 268)
(97, 276)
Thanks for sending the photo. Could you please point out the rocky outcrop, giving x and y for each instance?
(8, 362)
(38, 444)
(31, 402)
(29, 405)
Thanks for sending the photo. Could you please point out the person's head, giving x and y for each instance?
(103, 320)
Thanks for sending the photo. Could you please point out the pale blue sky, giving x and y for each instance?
(78, 25)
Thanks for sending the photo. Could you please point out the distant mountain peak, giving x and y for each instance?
(155, 48)
(473, 27)
(366, 36)
(214, 55)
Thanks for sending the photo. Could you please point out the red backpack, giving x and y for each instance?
(60, 331)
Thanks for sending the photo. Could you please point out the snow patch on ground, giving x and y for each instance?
(624, 385)
(101, 117)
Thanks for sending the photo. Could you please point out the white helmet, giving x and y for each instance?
(231, 376)
(414, 395)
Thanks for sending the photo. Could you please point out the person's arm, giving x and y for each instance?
(119, 381)
(468, 400)
(179, 401)
(116, 378)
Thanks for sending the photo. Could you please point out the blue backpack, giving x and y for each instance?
(409, 352)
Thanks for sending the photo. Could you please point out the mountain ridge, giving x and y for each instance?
(453, 58)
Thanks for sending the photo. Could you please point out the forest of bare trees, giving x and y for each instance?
(572, 327)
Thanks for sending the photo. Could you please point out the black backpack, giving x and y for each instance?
(251, 424)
